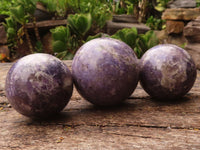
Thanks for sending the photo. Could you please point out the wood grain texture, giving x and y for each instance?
(138, 123)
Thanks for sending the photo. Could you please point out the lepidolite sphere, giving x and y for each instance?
(105, 71)
(167, 72)
(39, 85)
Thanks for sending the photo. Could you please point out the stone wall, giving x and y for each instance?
(183, 20)
(182, 4)
(192, 34)
(177, 18)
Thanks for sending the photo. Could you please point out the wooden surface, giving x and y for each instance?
(47, 23)
(138, 123)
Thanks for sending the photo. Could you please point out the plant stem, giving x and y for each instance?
(37, 35)
(28, 39)
(36, 30)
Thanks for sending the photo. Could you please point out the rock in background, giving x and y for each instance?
(192, 34)
(179, 13)
(4, 51)
(177, 18)
(125, 21)
(3, 37)
(182, 4)
(183, 20)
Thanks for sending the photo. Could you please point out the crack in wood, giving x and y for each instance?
(131, 135)
(118, 126)
(141, 97)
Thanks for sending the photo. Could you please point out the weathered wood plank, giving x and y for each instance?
(47, 23)
(138, 123)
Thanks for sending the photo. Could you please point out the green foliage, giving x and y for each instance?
(22, 10)
(140, 43)
(66, 40)
(119, 9)
(125, 6)
(197, 3)
(39, 47)
(155, 24)
(59, 7)
(5, 6)
(10, 26)
(130, 9)
(87, 15)
(29, 6)
(161, 5)
(183, 45)
(79, 23)
(100, 14)
(60, 33)
(98, 35)
(127, 35)
(18, 14)
(61, 37)
(62, 42)
(59, 46)
(145, 42)
(84, 16)
(11, 30)
(100, 11)
(49, 4)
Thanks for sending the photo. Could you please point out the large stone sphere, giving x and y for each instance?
(105, 71)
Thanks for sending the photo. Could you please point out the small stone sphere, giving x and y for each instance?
(167, 72)
(39, 85)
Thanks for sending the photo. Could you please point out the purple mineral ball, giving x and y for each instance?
(39, 85)
(105, 71)
(167, 72)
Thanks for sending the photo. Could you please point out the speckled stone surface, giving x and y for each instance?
(39, 85)
(168, 72)
(105, 71)
(4, 67)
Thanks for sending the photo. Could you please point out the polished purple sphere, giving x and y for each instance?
(39, 85)
(167, 72)
(105, 71)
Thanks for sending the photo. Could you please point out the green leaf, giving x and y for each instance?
(84, 23)
(98, 35)
(11, 32)
(18, 14)
(61, 55)
(9, 22)
(59, 46)
(138, 52)
(71, 20)
(131, 39)
(147, 41)
(159, 8)
(69, 56)
(65, 55)
(127, 35)
(60, 33)
(142, 43)
(79, 23)
(152, 39)
(39, 47)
